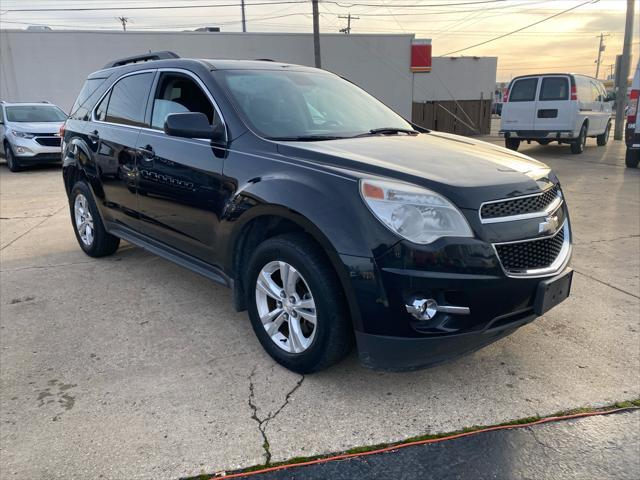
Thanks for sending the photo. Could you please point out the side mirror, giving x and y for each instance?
(192, 125)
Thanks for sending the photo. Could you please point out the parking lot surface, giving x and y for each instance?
(132, 367)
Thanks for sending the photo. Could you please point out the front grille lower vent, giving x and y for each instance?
(534, 254)
(519, 206)
(49, 141)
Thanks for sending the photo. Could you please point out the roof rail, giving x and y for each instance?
(146, 57)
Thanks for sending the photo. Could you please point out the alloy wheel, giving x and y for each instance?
(84, 220)
(286, 307)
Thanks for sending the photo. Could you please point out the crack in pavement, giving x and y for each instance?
(607, 240)
(607, 284)
(34, 227)
(264, 422)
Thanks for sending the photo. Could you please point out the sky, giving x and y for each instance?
(568, 42)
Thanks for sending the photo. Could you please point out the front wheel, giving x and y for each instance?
(603, 138)
(92, 237)
(512, 143)
(296, 304)
(632, 158)
(577, 146)
(12, 163)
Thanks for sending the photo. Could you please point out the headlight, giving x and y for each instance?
(20, 134)
(415, 213)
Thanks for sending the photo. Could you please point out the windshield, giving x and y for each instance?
(287, 105)
(35, 113)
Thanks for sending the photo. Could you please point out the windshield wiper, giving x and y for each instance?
(388, 131)
(307, 138)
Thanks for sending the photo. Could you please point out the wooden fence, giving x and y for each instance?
(448, 116)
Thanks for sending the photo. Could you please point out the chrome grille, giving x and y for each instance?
(519, 206)
(530, 255)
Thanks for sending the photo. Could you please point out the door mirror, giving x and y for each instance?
(611, 96)
(192, 125)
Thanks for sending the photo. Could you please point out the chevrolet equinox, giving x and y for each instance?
(333, 220)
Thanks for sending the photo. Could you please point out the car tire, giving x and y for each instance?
(632, 158)
(577, 146)
(512, 143)
(12, 162)
(297, 343)
(92, 237)
(604, 138)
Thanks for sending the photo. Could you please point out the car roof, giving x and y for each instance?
(211, 64)
(42, 104)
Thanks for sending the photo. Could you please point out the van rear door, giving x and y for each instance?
(519, 111)
(553, 108)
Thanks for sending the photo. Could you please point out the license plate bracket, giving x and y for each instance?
(552, 292)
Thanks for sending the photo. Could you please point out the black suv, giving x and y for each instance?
(331, 218)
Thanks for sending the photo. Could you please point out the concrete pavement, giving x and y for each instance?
(131, 367)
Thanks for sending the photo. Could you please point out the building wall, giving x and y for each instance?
(460, 78)
(53, 65)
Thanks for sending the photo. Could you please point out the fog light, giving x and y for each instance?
(426, 308)
(22, 150)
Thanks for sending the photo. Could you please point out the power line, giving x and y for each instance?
(155, 7)
(519, 29)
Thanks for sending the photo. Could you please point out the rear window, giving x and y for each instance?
(554, 88)
(524, 90)
(128, 100)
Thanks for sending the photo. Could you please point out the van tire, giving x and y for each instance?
(632, 158)
(577, 146)
(512, 143)
(604, 138)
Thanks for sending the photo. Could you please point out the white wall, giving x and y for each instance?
(462, 78)
(53, 65)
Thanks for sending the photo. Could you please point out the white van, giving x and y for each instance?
(561, 107)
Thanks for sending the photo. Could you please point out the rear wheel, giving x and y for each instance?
(12, 162)
(577, 146)
(296, 304)
(632, 158)
(92, 237)
(512, 143)
(604, 138)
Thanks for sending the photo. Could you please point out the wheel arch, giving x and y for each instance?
(267, 221)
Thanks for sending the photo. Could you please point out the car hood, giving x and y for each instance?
(466, 170)
(36, 127)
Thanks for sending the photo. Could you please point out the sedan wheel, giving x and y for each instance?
(286, 307)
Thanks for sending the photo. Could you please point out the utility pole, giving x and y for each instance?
(244, 20)
(349, 18)
(623, 72)
(316, 33)
(123, 21)
(600, 50)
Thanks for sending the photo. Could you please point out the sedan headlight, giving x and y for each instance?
(20, 134)
(413, 212)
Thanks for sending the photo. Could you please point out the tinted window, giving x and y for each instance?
(88, 89)
(179, 93)
(35, 113)
(128, 100)
(1, 115)
(101, 109)
(554, 88)
(524, 90)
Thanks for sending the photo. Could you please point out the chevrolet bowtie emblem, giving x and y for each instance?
(550, 225)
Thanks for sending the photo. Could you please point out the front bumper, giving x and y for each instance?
(453, 272)
(29, 150)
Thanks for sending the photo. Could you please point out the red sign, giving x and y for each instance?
(421, 56)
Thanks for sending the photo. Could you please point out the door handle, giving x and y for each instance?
(94, 136)
(147, 153)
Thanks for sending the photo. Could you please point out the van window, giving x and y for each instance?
(596, 95)
(524, 90)
(554, 88)
(128, 100)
